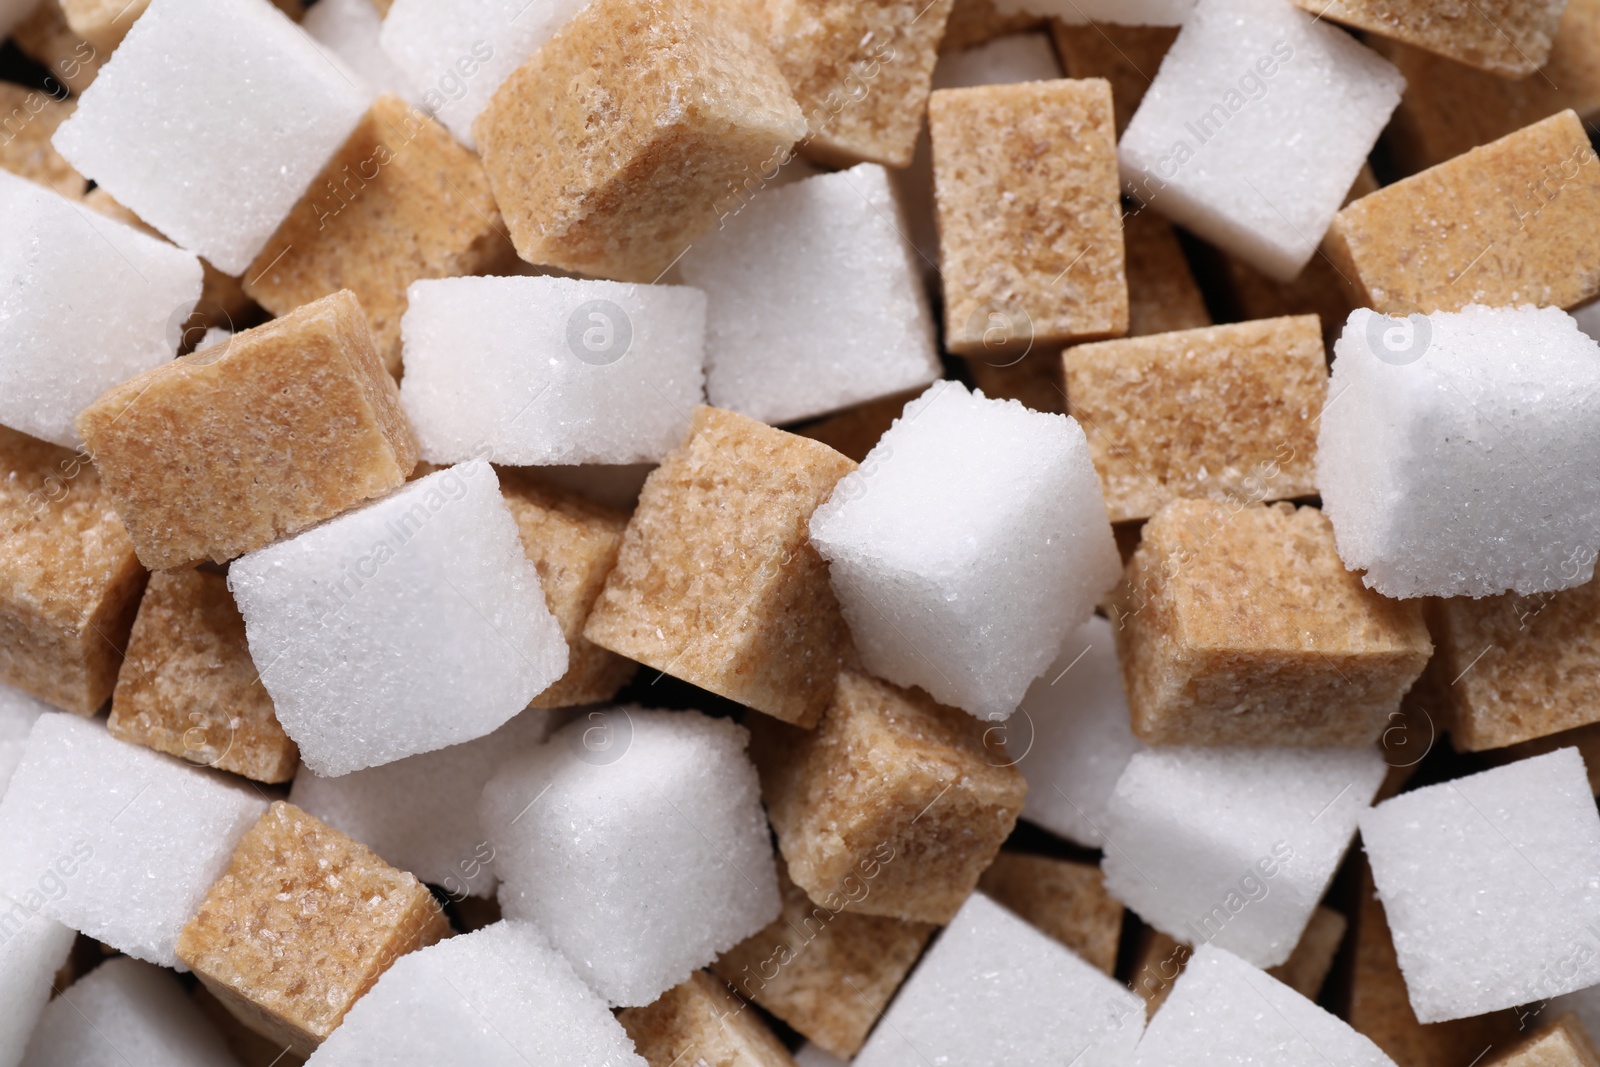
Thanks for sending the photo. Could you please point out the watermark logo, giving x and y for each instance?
(1398, 341)
(188, 324)
(1007, 741)
(605, 737)
(206, 741)
(1004, 329)
(599, 332)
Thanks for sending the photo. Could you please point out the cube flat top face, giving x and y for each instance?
(1509, 38)
(1521, 843)
(126, 1004)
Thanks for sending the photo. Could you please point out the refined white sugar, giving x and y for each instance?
(1121, 12)
(809, 1055)
(814, 300)
(972, 540)
(32, 949)
(1016, 57)
(116, 840)
(1459, 453)
(1255, 127)
(126, 1014)
(18, 713)
(1491, 885)
(209, 121)
(993, 989)
(1224, 1011)
(407, 625)
(458, 54)
(1077, 737)
(349, 30)
(421, 813)
(58, 263)
(551, 370)
(498, 997)
(642, 859)
(1234, 846)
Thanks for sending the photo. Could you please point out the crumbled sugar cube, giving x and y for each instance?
(551, 370)
(1222, 412)
(69, 579)
(45, 37)
(31, 118)
(893, 805)
(1520, 842)
(1219, 142)
(1510, 223)
(114, 840)
(1234, 846)
(1062, 898)
(125, 1014)
(835, 970)
(769, 353)
(1308, 965)
(18, 713)
(1126, 56)
(188, 687)
(914, 545)
(701, 1018)
(1238, 624)
(32, 949)
(1509, 39)
(349, 30)
(992, 987)
(408, 625)
(301, 924)
(1035, 159)
(716, 582)
(499, 997)
(54, 257)
(658, 819)
(680, 104)
(219, 182)
(399, 201)
(1464, 461)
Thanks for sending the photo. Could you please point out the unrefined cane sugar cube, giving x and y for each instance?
(31, 119)
(1563, 1042)
(1220, 144)
(643, 858)
(914, 545)
(1581, 1008)
(1308, 965)
(1234, 846)
(551, 370)
(770, 351)
(1464, 460)
(1509, 39)
(1162, 292)
(701, 1018)
(119, 841)
(18, 713)
(498, 997)
(222, 179)
(1063, 898)
(994, 988)
(408, 625)
(893, 805)
(350, 29)
(1519, 842)
(620, 141)
(32, 949)
(1126, 56)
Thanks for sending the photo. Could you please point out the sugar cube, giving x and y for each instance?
(408, 625)
(1580, 1010)
(1562, 1042)
(700, 1017)
(349, 30)
(551, 370)
(1162, 292)
(31, 119)
(1063, 898)
(1513, 41)
(810, 1055)
(1116, 12)
(32, 949)
(1308, 965)
(1126, 56)
(18, 713)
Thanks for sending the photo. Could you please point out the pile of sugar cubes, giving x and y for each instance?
(783, 533)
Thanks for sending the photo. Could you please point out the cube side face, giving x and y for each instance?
(1506, 38)
(700, 1016)
(1120, 54)
(1162, 293)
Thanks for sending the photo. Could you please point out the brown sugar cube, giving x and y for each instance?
(303, 922)
(1513, 222)
(1156, 967)
(188, 686)
(631, 131)
(1065, 899)
(1562, 1042)
(1029, 214)
(1126, 56)
(1510, 38)
(28, 119)
(975, 22)
(701, 1023)
(1223, 412)
(69, 580)
(247, 1046)
(716, 581)
(45, 38)
(1034, 380)
(400, 201)
(1162, 293)
(1239, 625)
(573, 544)
(193, 452)
(894, 805)
(853, 433)
(826, 972)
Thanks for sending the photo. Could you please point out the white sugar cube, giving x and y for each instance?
(458, 54)
(551, 370)
(348, 29)
(1459, 453)
(1224, 1011)
(1234, 846)
(421, 813)
(85, 304)
(1491, 885)
(498, 997)
(1119, 12)
(643, 858)
(209, 121)
(1076, 738)
(1255, 127)
(994, 990)
(116, 840)
(126, 1014)
(18, 713)
(407, 625)
(32, 950)
(814, 301)
(972, 540)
